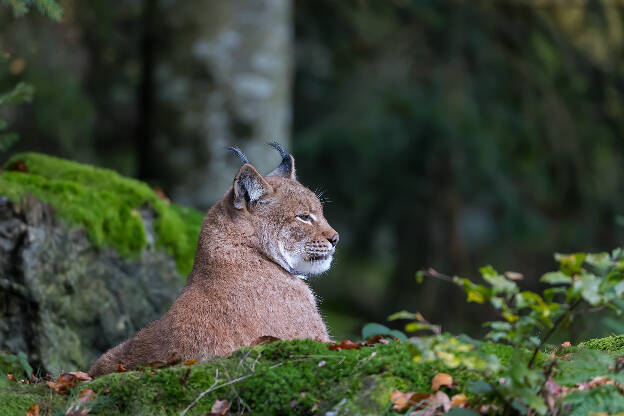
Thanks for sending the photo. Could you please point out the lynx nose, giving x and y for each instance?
(334, 239)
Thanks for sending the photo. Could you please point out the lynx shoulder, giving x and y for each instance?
(255, 247)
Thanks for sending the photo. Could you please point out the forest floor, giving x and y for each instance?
(301, 377)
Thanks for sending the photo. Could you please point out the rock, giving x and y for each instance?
(87, 257)
(66, 292)
(65, 301)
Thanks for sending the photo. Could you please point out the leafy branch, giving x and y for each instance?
(528, 320)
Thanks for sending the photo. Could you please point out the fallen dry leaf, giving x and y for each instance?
(265, 339)
(190, 362)
(19, 166)
(551, 387)
(157, 364)
(345, 345)
(220, 408)
(514, 275)
(68, 380)
(441, 379)
(86, 395)
(459, 400)
(81, 375)
(599, 381)
(375, 339)
(487, 408)
(121, 368)
(11, 377)
(440, 399)
(81, 406)
(33, 410)
(174, 359)
(566, 344)
(161, 194)
(403, 401)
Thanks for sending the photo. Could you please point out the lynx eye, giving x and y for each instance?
(305, 218)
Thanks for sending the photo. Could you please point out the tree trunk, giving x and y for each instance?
(223, 77)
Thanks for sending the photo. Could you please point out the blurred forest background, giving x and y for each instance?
(447, 134)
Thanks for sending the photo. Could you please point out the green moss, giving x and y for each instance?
(16, 398)
(105, 203)
(290, 377)
(613, 343)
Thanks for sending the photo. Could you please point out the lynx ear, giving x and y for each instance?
(249, 186)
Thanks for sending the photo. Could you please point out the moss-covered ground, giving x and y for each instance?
(292, 377)
(105, 203)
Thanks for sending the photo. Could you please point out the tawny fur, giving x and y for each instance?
(239, 288)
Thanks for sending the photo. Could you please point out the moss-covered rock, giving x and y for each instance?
(87, 257)
(613, 343)
(105, 203)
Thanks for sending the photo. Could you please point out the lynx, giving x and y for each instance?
(255, 249)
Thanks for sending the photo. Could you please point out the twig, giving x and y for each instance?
(434, 273)
(551, 331)
(213, 388)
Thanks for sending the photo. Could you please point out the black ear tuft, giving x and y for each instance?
(239, 153)
(286, 168)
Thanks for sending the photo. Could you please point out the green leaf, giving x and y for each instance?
(402, 315)
(21, 93)
(588, 285)
(372, 329)
(458, 411)
(499, 283)
(570, 264)
(601, 400)
(549, 294)
(497, 302)
(395, 333)
(480, 388)
(556, 278)
(50, 8)
(22, 359)
(601, 261)
(475, 293)
(536, 402)
(528, 299)
(417, 326)
(583, 366)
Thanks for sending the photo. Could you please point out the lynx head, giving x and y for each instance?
(287, 217)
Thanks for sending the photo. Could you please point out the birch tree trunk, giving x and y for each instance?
(223, 78)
